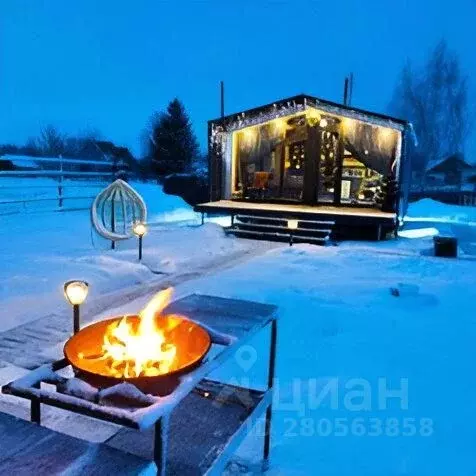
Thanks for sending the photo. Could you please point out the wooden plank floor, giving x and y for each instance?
(28, 449)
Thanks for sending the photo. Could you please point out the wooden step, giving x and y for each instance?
(282, 229)
(281, 219)
(276, 236)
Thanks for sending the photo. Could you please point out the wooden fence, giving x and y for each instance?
(53, 184)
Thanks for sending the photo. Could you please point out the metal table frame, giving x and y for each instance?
(29, 387)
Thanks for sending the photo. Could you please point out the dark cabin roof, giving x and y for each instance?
(315, 101)
(452, 163)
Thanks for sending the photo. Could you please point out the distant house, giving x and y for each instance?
(121, 157)
(451, 171)
(18, 162)
(6, 164)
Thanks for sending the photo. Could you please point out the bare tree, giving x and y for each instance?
(82, 145)
(51, 142)
(435, 100)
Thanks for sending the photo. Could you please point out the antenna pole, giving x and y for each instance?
(351, 88)
(346, 91)
(222, 99)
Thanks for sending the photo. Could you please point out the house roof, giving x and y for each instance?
(24, 161)
(323, 104)
(449, 164)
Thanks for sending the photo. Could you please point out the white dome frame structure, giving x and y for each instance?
(124, 203)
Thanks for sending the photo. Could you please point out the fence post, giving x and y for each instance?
(60, 184)
(60, 195)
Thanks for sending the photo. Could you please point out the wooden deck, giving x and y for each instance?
(29, 449)
(350, 222)
(228, 206)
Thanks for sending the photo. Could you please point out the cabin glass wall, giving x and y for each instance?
(328, 166)
(370, 161)
(269, 160)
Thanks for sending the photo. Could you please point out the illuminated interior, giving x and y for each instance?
(313, 157)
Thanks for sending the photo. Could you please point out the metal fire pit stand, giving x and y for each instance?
(219, 415)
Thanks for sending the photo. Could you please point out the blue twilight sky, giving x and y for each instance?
(108, 64)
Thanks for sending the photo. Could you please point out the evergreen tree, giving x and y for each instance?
(173, 147)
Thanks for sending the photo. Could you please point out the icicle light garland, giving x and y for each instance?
(352, 114)
(220, 133)
(240, 121)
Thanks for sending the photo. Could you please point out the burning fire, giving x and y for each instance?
(140, 349)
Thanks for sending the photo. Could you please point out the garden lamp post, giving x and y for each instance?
(75, 292)
(140, 229)
(292, 225)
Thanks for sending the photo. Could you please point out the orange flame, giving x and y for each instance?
(140, 350)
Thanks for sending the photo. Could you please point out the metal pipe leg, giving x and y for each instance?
(203, 218)
(35, 409)
(271, 371)
(76, 318)
(160, 445)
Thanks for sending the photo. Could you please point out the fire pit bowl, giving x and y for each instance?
(85, 352)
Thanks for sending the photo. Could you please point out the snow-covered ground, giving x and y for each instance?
(431, 210)
(341, 329)
(343, 338)
(429, 217)
(42, 250)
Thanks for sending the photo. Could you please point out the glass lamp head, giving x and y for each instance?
(293, 224)
(139, 229)
(76, 291)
